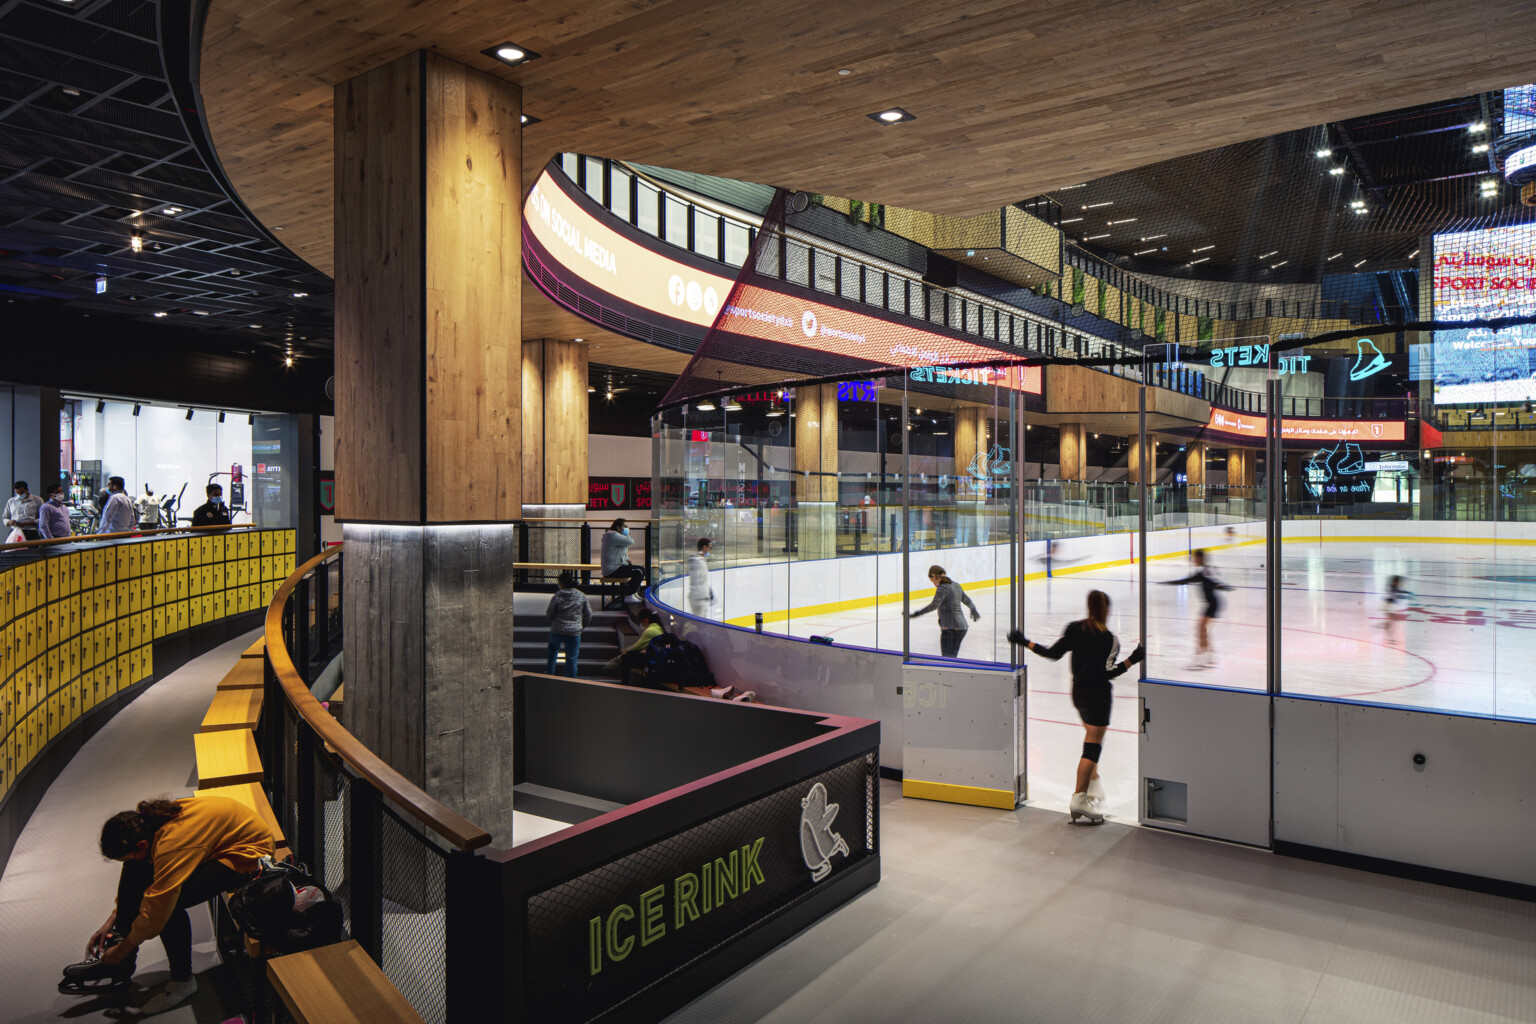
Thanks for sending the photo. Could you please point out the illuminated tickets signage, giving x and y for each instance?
(619, 266)
(597, 939)
(1247, 425)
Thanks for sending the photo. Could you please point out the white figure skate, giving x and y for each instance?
(1084, 806)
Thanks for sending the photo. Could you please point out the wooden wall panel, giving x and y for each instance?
(816, 441)
(378, 295)
(565, 423)
(473, 294)
(533, 422)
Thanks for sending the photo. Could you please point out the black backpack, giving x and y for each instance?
(264, 909)
(676, 662)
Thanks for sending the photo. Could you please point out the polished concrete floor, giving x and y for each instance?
(990, 916)
(57, 888)
(982, 915)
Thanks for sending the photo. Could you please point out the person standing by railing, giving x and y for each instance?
(53, 517)
(117, 515)
(700, 593)
(21, 511)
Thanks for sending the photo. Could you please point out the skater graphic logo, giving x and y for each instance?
(818, 843)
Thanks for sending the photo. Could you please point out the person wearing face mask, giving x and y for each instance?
(21, 511)
(615, 560)
(53, 517)
(117, 515)
(212, 512)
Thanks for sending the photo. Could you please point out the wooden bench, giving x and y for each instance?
(232, 709)
(256, 650)
(250, 795)
(226, 758)
(338, 984)
(246, 675)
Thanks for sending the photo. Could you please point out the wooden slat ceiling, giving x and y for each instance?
(1011, 99)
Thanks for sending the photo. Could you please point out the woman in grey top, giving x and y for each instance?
(568, 614)
(615, 559)
(947, 598)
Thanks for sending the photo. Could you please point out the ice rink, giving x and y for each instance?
(1463, 641)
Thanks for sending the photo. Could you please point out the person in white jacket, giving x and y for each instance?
(699, 593)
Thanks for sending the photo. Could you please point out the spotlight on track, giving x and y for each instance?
(101, 405)
(136, 408)
(189, 414)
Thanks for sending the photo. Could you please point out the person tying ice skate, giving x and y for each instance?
(1205, 577)
(1094, 650)
(175, 854)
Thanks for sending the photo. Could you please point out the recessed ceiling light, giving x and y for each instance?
(845, 71)
(71, 92)
(136, 243)
(1143, 252)
(1413, 254)
(1481, 147)
(1267, 255)
(1090, 238)
(171, 211)
(1203, 248)
(1478, 126)
(1324, 153)
(892, 115)
(1334, 257)
(1202, 259)
(1335, 170)
(301, 295)
(1361, 263)
(1123, 220)
(529, 119)
(510, 54)
(254, 327)
(162, 313)
(1094, 206)
(1152, 238)
(1071, 220)
(1277, 266)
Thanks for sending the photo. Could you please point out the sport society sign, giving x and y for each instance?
(603, 936)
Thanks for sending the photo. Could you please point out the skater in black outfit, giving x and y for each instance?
(1094, 650)
(1209, 585)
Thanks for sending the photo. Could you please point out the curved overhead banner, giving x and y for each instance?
(618, 269)
(1295, 429)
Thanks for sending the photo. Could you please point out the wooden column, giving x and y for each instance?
(1240, 467)
(1194, 470)
(1134, 462)
(1074, 452)
(555, 432)
(815, 409)
(428, 157)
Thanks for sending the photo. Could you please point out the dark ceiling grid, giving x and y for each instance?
(93, 151)
(1270, 211)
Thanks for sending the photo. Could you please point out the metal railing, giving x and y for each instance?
(399, 862)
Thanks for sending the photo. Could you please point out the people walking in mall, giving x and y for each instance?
(700, 593)
(948, 598)
(1094, 650)
(53, 517)
(568, 614)
(615, 560)
(21, 511)
(1204, 576)
(117, 515)
(176, 854)
(211, 512)
(634, 656)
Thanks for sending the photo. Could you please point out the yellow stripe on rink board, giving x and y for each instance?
(853, 604)
(976, 796)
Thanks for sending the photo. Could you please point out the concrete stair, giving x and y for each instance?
(531, 638)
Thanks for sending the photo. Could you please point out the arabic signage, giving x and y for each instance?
(618, 493)
(1246, 425)
(607, 933)
(658, 283)
(1484, 274)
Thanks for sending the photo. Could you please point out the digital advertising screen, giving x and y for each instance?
(1485, 274)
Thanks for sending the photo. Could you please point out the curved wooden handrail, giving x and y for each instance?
(449, 824)
(87, 538)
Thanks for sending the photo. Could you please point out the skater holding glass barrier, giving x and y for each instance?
(1094, 652)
